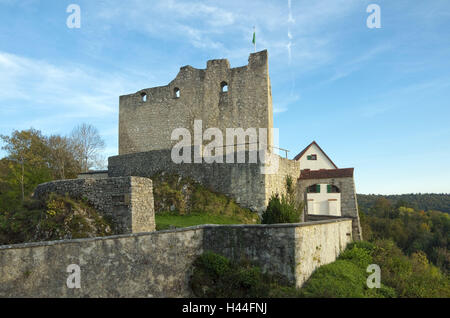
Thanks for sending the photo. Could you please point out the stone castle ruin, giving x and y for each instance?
(159, 262)
(148, 117)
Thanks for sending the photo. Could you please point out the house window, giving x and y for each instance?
(315, 188)
(332, 189)
(312, 157)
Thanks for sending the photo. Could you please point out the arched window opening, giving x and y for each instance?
(176, 92)
(224, 87)
(144, 97)
(332, 189)
(315, 188)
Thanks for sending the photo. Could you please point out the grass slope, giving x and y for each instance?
(182, 202)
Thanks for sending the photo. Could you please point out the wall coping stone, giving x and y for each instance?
(185, 229)
(94, 172)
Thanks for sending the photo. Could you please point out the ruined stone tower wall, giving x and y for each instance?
(126, 201)
(146, 125)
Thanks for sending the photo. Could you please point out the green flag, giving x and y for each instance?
(254, 37)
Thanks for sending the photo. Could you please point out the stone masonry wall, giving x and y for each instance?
(271, 247)
(156, 264)
(159, 264)
(276, 183)
(349, 205)
(100, 174)
(319, 245)
(146, 125)
(241, 181)
(127, 201)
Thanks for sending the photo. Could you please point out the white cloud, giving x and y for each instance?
(281, 105)
(346, 68)
(72, 88)
(384, 102)
(227, 26)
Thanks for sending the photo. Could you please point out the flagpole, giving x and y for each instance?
(254, 37)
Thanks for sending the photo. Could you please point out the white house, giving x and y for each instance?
(314, 158)
(322, 197)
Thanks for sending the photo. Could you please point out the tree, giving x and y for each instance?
(87, 145)
(62, 157)
(29, 150)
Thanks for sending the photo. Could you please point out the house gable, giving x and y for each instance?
(314, 158)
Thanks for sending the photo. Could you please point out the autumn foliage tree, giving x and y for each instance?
(27, 157)
(32, 158)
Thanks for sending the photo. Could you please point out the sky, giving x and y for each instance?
(376, 99)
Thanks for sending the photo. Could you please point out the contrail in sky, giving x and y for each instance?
(291, 21)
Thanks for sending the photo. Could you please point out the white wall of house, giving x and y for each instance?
(324, 203)
(322, 161)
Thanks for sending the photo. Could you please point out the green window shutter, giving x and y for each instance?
(329, 188)
(308, 157)
(318, 188)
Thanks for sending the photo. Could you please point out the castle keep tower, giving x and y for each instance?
(220, 96)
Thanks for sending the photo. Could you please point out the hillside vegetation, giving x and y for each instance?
(411, 230)
(425, 202)
(401, 276)
(181, 202)
(55, 218)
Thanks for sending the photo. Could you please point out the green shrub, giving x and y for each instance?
(215, 276)
(280, 210)
(284, 208)
(359, 256)
(368, 246)
(214, 264)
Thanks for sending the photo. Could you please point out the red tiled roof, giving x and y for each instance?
(297, 157)
(326, 173)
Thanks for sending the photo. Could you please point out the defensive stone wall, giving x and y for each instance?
(126, 201)
(276, 183)
(243, 182)
(99, 174)
(159, 264)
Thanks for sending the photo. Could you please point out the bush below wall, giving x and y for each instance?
(401, 276)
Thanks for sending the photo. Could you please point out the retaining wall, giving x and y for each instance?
(159, 264)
